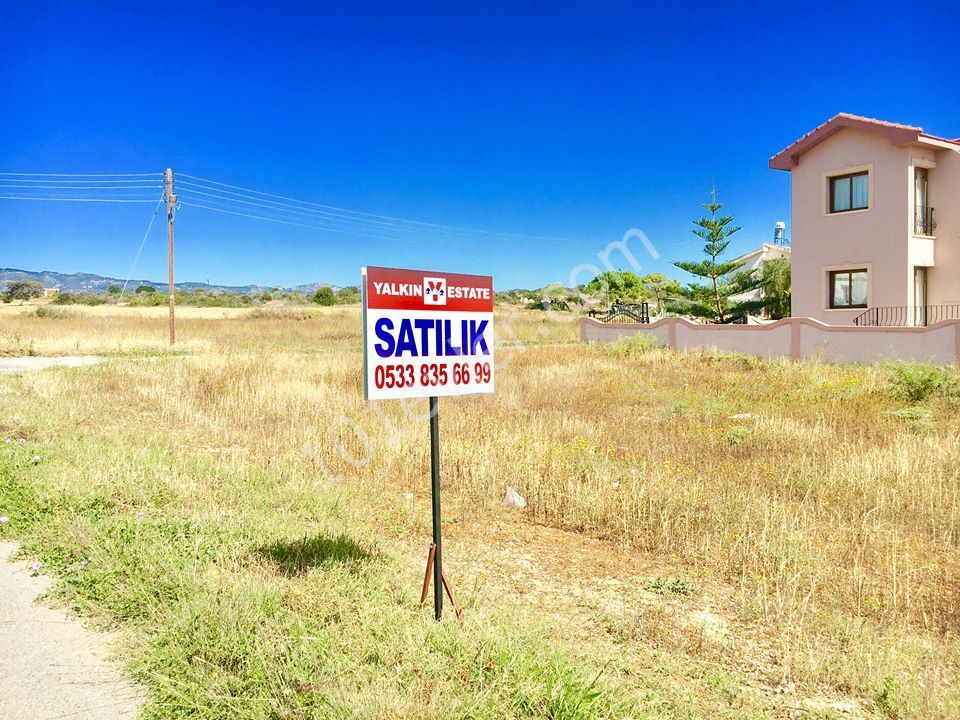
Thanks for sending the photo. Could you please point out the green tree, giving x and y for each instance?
(619, 285)
(146, 289)
(325, 296)
(712, 296)
(348, 295)
(775, 280)
(114, 290)
(21, 290)
(661, 288)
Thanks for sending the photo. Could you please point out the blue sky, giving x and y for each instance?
(567, 121)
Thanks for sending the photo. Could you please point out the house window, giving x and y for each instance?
(848, 289)
(849, 192)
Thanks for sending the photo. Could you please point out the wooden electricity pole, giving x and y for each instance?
(171, 203)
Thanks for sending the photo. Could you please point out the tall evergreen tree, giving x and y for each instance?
(714, 296)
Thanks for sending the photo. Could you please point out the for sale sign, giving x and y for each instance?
(426, 333)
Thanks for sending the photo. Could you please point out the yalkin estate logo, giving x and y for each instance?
(434, 291)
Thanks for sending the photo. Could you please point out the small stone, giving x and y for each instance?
(513, 499)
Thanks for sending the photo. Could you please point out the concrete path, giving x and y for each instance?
(50, 666)
(23, 364)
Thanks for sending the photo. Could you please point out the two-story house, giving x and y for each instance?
(875, 224)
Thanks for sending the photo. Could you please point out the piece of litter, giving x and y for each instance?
(513, 499)
(740, 416)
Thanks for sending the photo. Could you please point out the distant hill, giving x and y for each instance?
(89, 283)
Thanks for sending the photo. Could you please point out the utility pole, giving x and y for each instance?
(171, 203)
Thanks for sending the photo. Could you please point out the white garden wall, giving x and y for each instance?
(794, 338)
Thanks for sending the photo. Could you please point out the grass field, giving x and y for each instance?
(707, 535)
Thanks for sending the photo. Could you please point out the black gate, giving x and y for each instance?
(623, 313)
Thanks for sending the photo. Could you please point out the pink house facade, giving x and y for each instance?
(875, 216)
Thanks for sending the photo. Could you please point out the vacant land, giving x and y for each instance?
(707, 536)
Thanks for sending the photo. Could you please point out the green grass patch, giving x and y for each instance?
(243, 613)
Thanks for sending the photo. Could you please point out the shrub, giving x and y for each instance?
(556, 305)
(672, 586)
(348, 295)
(912, 414)
(637, 345)
(91, 299)
(325, 296)
(915, 381)
(80, 299)
(738, 435)
(279, 314)
(49, 312)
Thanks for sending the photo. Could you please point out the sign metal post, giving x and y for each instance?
(435, 498)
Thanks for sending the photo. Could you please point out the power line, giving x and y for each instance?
(460, 234)
(84, 187)
(240, 201)
(323, 221)
(99, 183)
(143, 242)
(93, 175)
(376, 216)
(63, 198)
(319, 216)
(300, 224)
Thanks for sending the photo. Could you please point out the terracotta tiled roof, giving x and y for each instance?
(898, 134)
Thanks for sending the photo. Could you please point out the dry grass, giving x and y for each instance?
(829, 526)
(108, 330)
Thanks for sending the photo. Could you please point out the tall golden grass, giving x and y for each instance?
(832, 519)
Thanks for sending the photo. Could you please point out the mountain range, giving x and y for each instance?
(90, 283)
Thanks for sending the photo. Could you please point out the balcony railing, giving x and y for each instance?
(907, 315)
(924, 224)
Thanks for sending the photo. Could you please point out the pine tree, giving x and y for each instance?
(712, 297)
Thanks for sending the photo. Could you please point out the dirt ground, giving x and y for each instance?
(607, 593)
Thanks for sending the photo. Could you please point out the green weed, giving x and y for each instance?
(672, 586)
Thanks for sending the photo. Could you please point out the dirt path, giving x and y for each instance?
(24, 364)
(49, 663)
(602, 592)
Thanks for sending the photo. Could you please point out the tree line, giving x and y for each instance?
(147, 295)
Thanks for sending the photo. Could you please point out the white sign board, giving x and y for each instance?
(426, 333)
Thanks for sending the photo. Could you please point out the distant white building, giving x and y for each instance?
(755, 260)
